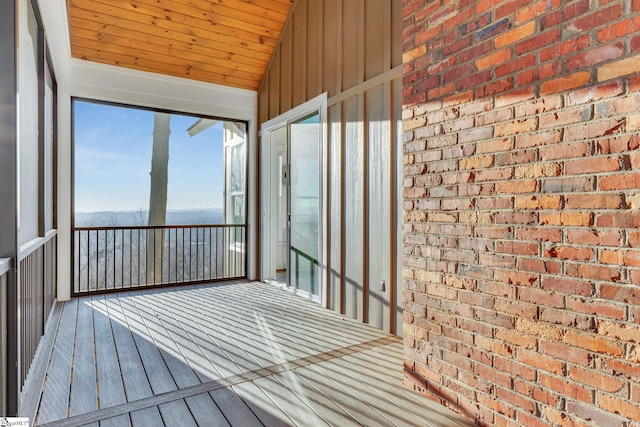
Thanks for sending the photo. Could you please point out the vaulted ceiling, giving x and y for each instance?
(228, 42)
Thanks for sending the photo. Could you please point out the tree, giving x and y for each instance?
(158, 193)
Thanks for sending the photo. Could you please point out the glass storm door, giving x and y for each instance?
(304, 204)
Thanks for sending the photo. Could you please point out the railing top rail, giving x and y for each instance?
(156, 227)
(5, 265)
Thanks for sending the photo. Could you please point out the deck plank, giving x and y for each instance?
(149, 417)
(358, 410)
(204, 354)
(109, 377)
(161, 331)
(157, 373)
(234, 409)
(84, 397)
(315, 400)
(361, 372)
(136, 383)
(205, 412)
(236, 354)
(269, 414)
(54, 402)
(176, 413)
(290, 402)
(363, 393)
(120, 421)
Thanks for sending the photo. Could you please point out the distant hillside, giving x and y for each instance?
(174, 217)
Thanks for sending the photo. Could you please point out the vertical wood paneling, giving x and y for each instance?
(299, 73)
(350, 41)
(396, 221)
(330, 52)
(286, 61)
(314, 47)
(374, 39)
(335, 212)
(396, 33)
(353, 187)
(333, 46)
(263, 101)
(274, 86)
(379, 211)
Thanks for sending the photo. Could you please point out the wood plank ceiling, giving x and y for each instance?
(228, 42)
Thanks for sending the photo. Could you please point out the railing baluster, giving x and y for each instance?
(139, 265)
(220, 252)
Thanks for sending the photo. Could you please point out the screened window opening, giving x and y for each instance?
(159, 197)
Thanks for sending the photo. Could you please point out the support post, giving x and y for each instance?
(8, 193)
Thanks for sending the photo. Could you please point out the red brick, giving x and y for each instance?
(593, 201)
(619, 406)
(492, 59)
(595, 272)
(538, 202)
(620, 182)
(619, 220)
(619, 29)
(515, 157)
(626, 294)
(531, 420)
(539, 40)
(568, 218)
(569, 353)
(538, 393)
(570, 252)
(593, 343)
(564, 151)
(566, 388)
(565, 14)
(598, 307)
(541, 297)
(516, 65)
(592, 130)
(600, 17)
(562, 84)
(591, 237)
(596, 380)
(621, 367)
(595, 93)
(516, 187)
(623, 67)
(566, 318)
(532, 11)
(515, 399)
(539, 234)
(564, 48)
(543, 138)
(595, 415)
(595, 56)
(516, 34)
(568, 286)
(566, 117)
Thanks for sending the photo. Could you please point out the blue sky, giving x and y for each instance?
(113, 160)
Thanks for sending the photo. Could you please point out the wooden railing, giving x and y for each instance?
(5, 265)
(37, 292)
(108, 259)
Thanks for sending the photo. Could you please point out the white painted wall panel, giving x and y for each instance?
(27, 123)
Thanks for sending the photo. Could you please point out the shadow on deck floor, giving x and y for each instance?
(239, 354)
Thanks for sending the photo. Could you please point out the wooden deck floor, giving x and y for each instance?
(239, 354)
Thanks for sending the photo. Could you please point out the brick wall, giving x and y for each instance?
(522, 208)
